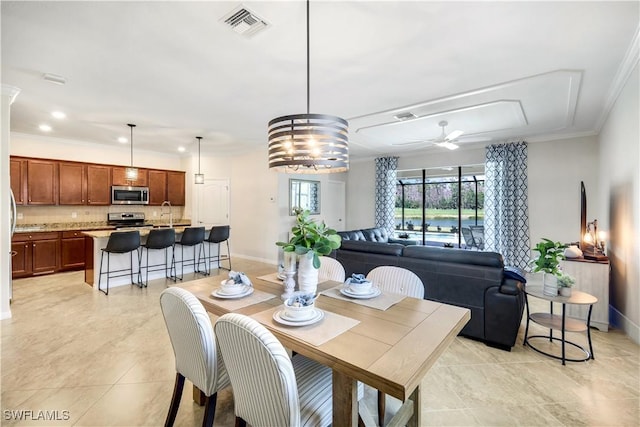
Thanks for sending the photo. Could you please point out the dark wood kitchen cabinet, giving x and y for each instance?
(17, 172)
(98, 185)
(118, 177)
(72, 183)
(72, 249)
(157, 187)
(37, 253)
(42, 182)
(175, 188)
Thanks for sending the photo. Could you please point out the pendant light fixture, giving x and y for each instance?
(199, 176)
(308, 143)
(131, 173)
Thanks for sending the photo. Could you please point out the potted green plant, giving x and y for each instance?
(310, 240)
(565, 282)
(550, 254)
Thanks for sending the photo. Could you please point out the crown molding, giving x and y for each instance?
(10, 91)
(630, 61)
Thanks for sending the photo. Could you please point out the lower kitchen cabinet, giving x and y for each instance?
(72, 250)
(37, 253)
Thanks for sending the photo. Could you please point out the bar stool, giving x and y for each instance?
(162, 238)
(121, 242)
(217, 235)
(194, 237)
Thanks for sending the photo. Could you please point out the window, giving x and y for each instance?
(433, 204)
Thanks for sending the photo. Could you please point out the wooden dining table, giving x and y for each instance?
(390, 350)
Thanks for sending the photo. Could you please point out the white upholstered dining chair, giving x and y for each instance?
(401, 281)
(269, 388)
(195, 350)
(330, 269)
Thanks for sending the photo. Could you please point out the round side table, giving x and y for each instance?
(560, 322)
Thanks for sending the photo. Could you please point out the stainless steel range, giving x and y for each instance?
(127, 219)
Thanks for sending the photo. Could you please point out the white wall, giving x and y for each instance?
(620, 199)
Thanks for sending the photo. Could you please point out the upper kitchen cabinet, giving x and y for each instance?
(42, 180)
(18, 170)
(98, 185)
(72, 183)
(175, 188)
(157, 187)
(118, 177)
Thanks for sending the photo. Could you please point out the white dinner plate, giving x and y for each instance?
(278, 317)
(374, 293)
(218, 294)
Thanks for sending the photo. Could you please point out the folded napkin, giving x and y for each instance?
(301, 300)
(358, 278)
(239, 278)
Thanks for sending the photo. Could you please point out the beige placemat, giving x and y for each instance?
(317, 334)
(273, 278)
(381, 302)
(236, 304)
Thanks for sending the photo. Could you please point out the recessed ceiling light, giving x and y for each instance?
(58, 115)
(45, 128)
(181, 149)
(122, 140)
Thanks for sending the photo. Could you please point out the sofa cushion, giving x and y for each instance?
(376, 234)
(351, 235)
(372, 247)
(459, 256)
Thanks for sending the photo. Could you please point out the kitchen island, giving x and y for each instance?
(96, 240)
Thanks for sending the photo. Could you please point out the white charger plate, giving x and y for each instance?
(219, 294)
(374, 293)
(279, 317)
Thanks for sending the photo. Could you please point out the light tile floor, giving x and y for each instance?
(107, 361)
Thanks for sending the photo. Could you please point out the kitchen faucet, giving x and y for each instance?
(167, 203)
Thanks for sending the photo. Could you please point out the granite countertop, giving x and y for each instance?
(88, 226)
(144, 231)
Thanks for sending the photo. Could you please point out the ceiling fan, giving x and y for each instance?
(444, 140)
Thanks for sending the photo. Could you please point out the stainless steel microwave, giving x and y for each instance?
(123, 195)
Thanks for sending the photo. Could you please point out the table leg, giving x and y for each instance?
(345, 400)
(589, 332)
(416, 419)
(563, 320)
(198, 396)
(551, 330)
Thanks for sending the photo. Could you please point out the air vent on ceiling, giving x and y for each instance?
(405, 116)
(244, 22)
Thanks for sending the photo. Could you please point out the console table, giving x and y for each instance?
(560, 322)
(591, 277)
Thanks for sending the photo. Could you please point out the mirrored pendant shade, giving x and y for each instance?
(199, 177)
(131, 173)
(308, 143)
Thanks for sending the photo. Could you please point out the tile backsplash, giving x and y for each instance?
(71, 214)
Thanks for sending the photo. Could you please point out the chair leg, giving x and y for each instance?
(100, 274)
(229, 255)
(210, 410)
(381, 407)
(175, 401)
(240, 422)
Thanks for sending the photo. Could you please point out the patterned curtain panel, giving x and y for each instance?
(506, 209)
(386, 168)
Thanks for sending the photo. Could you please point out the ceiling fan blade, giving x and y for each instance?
(447, 144)
(453, 135)
(409, 143)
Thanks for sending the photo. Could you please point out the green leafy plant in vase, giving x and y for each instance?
(565, 282)
(310, 240)
(548, 262)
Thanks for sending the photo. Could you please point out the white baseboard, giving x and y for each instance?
(5, 315)
(251, 258)
(625, 324)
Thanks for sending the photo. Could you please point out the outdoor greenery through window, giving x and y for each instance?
(431, 209)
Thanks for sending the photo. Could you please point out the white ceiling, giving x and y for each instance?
(496, 70)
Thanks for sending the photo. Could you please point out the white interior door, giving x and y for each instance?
(213, 202)
(334, 208)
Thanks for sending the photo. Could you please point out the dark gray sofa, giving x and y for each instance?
(472, 279)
